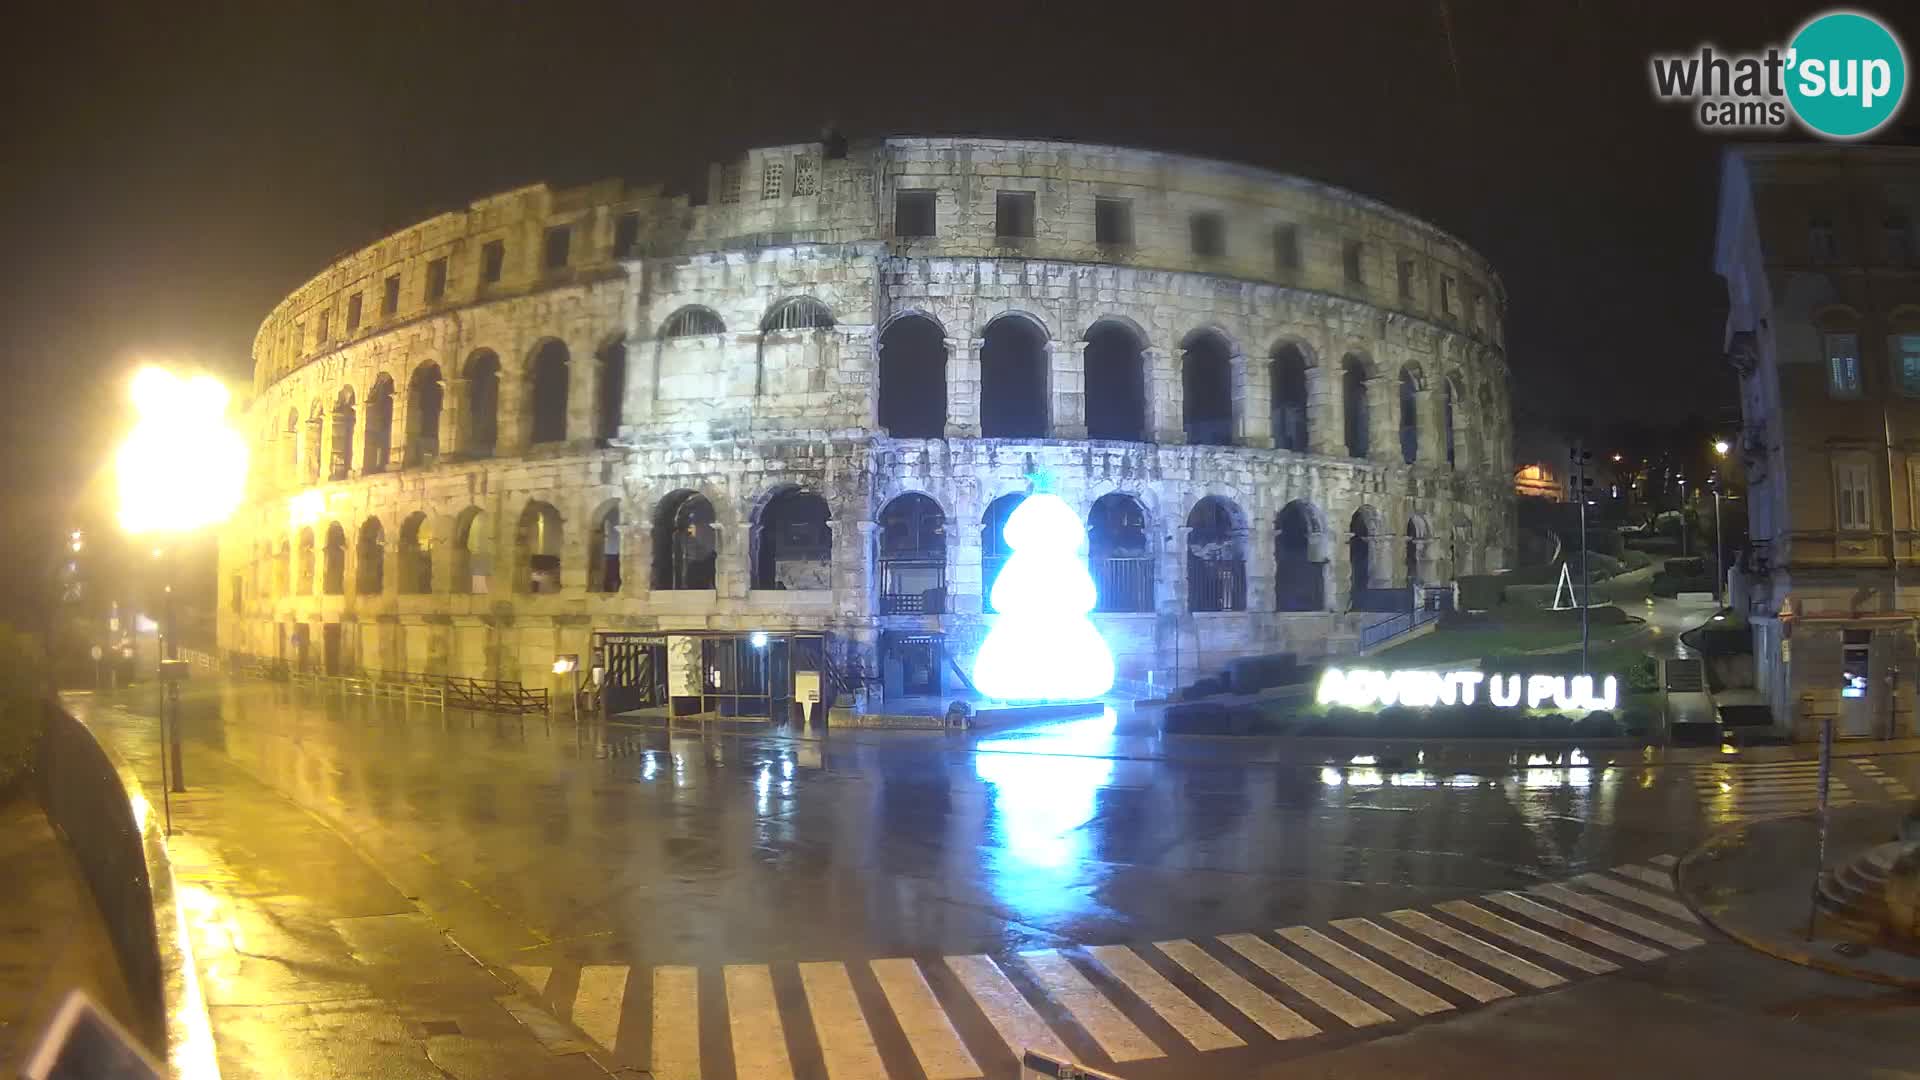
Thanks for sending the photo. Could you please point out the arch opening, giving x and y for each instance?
(913, 378)
(1115, 381)
(1206, 382)
(538, 539)
(684, 542)
(343, 421)
(483, 404)
(793, 542)
(549, 383)
(1287, 376)
(611, 402)
(994, 550)
(1013, 380)
(425, 393)
(912, 557)
(370, 559)
(603, 551)
(1409, 418)
(333, 571)
(1299, 556)
(1216, 557)
(1120, 554)
(379, 428)
(416, 555)
(1353, 402)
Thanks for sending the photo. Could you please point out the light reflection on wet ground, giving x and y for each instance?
(629, 845)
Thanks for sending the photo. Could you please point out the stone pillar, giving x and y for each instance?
(732, 571)
(453, 417)
(963, 387)
(1261, 569)
(859, 589)
(1165, 395)
(513, 409)
(1326, 420)
(1174, 572)
(1067, 385)
(1383, 420)
(636, 557)
(583, 384)
(1252, 404)
(1427, 406)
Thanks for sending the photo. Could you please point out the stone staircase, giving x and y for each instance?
(1855, 895)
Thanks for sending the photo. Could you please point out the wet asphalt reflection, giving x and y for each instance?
(537, 841)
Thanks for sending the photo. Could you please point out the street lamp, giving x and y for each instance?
(181, 469)
(1720, 448)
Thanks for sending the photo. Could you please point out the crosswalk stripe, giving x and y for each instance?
(846, 1043)
(759, 1039)
(1579, 928)
(1477, 987)
(1662, 879)
(1625, 920)
(1532, 939)
(1467, 945)
(1274, 1018)
(596, 1003)
(1664, 860)
(535, 977)
(1181, 1012)
(1366, 972)
(676, 1023)
(1016, 1021)
(1664, 905)
(1089, 1008)
(943, 1056)
(1315, 987)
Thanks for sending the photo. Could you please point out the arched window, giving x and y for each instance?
(333, 570)
(612, 367)
(1300, 558)
(913, 556)
(913, 378)
(793, 543)
(1419, 534)
(1120, 554)
(472, 568)
(1446, 419)
(416, 554)
(1353, 402)
(684, 542)
(1409, 419)
(370, 559)
(1216, 557)
(1287, 376)
(316, 428)
(343, 418)
(797, 313)
(537, 542)
(303, 583)
(1013, 379)
(379, 426)
(483, 404)
(1206, 379)
(423, 415)
(993, 543)
(1116, 383)
(603, 551)
(548, 378)
(1361, 534)
(692, 321)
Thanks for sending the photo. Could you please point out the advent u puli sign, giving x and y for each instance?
(1371, 689)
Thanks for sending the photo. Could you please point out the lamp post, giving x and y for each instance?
(1720, 448)
(181, 469)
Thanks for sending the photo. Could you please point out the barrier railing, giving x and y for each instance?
(440, 691)
(1388, 629)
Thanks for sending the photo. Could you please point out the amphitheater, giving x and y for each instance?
(758, 446)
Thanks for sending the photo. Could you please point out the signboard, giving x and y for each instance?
(1360, 688)
(806, 687)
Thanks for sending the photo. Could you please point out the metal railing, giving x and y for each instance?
(1216, 585)
(1123, 582)
(899, 598)
(441, 691)
(1387, 629)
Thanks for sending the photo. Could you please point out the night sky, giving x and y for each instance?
(173, 170)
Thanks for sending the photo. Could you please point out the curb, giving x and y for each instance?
(1767, 946)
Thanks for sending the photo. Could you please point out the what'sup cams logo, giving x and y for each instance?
(1843, 76)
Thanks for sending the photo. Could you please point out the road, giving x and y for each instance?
(909, 904)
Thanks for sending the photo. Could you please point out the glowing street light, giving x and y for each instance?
(182, 468)
(1721, 446)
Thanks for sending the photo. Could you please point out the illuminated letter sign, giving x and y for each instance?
(1362, 688)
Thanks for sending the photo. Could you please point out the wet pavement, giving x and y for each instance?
(630, 878)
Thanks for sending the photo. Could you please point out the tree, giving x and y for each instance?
(1043, 647)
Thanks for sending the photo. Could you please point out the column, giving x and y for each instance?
(1067, 384)
(1428, 407)
(858, 594)
(1165, 395)
(1252, 404)
(1326, 420)
(1261, 570)
(583, 383)
(1383, 420)
(453, 417)
(1177, 592)
(963, 387)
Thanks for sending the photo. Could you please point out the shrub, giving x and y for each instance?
(22, 699)
(1480, 592)
(1605, 542)
(1635, 560)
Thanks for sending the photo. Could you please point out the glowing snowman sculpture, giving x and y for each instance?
(1043, 647)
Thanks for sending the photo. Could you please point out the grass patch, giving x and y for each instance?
(1511, 631)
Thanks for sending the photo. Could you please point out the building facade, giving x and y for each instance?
(800, 410)
(1817, 247)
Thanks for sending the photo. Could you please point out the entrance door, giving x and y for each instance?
(330, 647)
(1859, 687)
(636, 671)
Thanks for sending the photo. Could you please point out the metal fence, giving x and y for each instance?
(1403, 623)
(414, 687)
(913, 586)
(1123, 582)
(1216, 585)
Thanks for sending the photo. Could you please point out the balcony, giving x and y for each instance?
(914, 586)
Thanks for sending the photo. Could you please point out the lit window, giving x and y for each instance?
(1853, 487)
(1906, 351)
(1843, 365)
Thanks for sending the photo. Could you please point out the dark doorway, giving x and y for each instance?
(1353, 400)
(913, 378)
(1206, 379)
(1013, 380)
(1288, 376)
(550, 394)
(1360, 553)
(1115, 380)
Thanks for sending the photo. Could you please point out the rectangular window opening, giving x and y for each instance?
(913, 213)
(1112, 221)
(1013, 214)
(390, 297)
(1843, 365)
(1354, 256)
(626, 235)
(559, 246)
(1286, 247)
(493, 260)
(1406, 279)
(437, 280)
(1906, 350)
(1207, 230)
(353, 313)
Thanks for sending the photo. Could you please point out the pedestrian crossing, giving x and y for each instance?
(1732, 792)
(969, 1017)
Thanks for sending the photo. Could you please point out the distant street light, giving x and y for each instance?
(1721, 446)
(181, 469)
